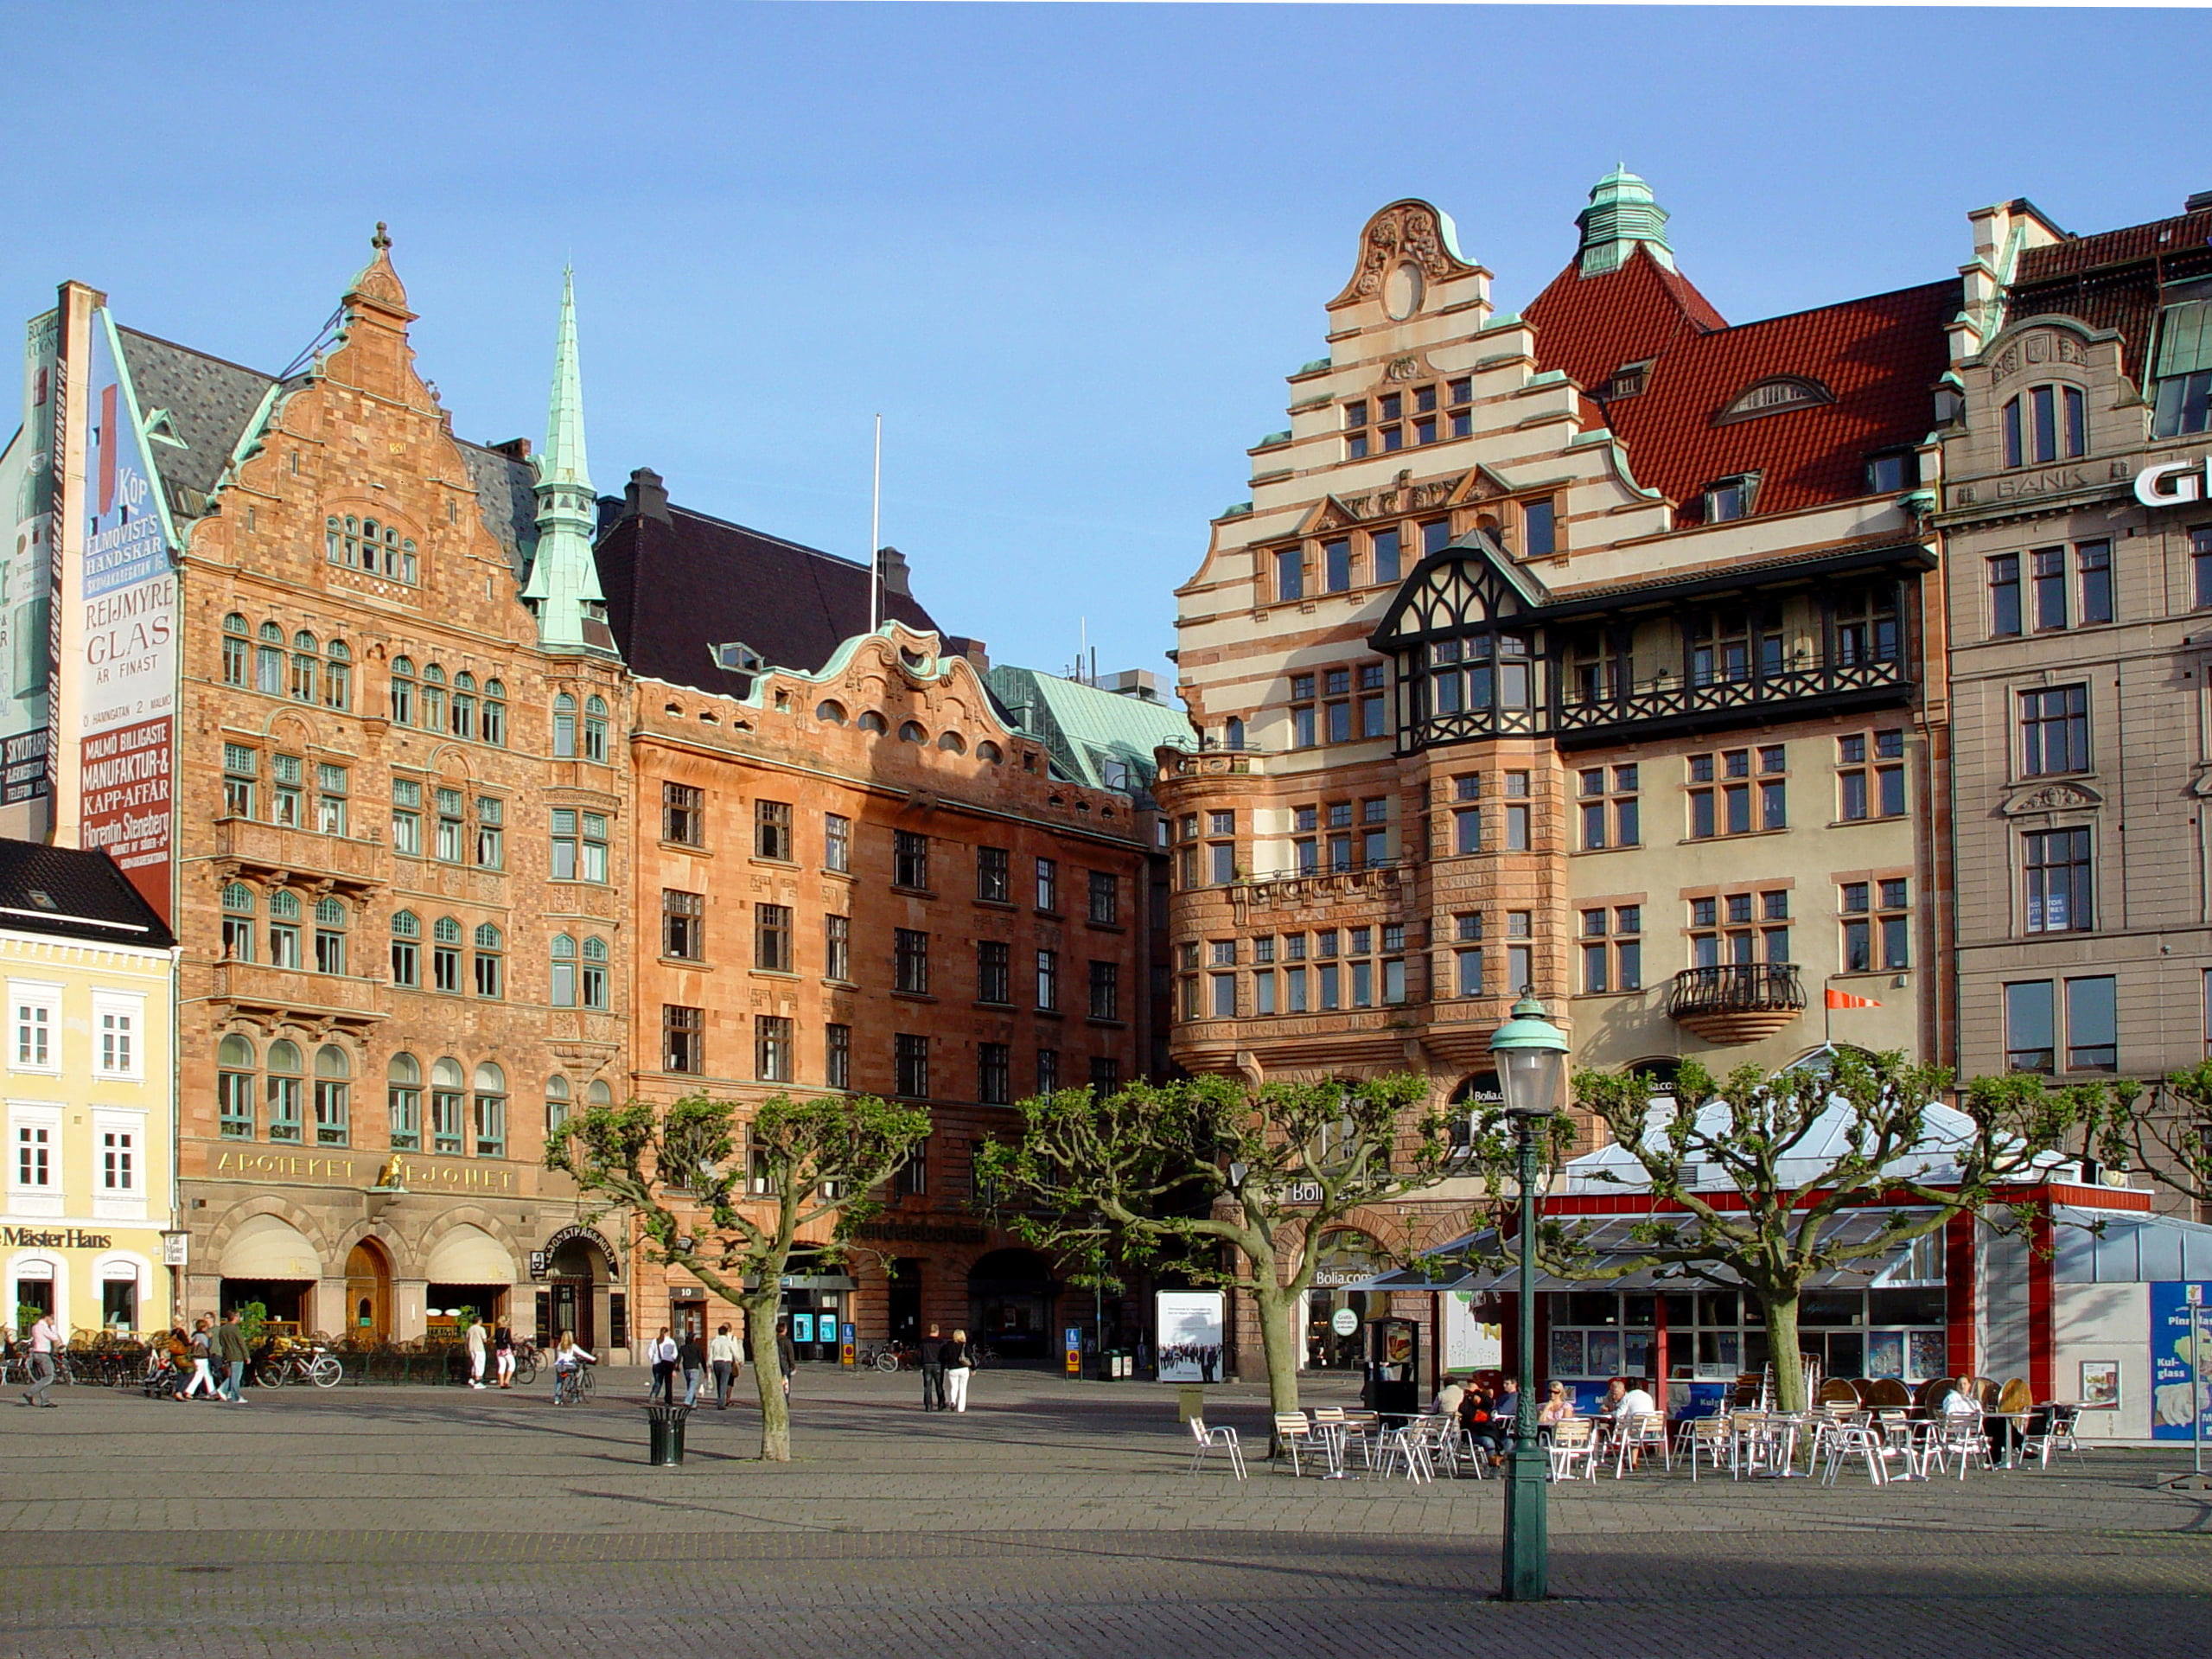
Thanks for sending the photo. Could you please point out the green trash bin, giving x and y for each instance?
(664, 1435)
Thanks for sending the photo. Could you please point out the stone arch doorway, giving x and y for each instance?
(577, 1282)
(368, 1293)
(1011, 1294)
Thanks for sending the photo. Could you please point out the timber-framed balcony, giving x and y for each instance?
(1737, 1002)
(1688, 704)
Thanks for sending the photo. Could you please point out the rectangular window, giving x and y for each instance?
(35, 1154)
(683, 815)
(447, 848)
(1336, 565)
(772, 830)
(683, 925)
(2055, 730)
(240, 765)
(910, 962)
(286, 799)
(771, 938)
(1221, 862)
(2056, 864)
(993, 971)
(2093, 571)
(407, 818)
(2005, 613)
(1263, 992)
(1106, 990)
(2092, 1025)
(1383, 556)
(1290, 573)
(1049, 980)
(1106, 896)
(772, 1049)
(491, 832)
(1702, 821)
(445, 964)
(491, 1125)
(1774, 805)
(991, 881)
(683, 1039)
(910, 1053)
(1223, 996)
(330, 794)
(1517, 831)
(2200, 563)
(2028, 1026)
(994, 1074)
(837, 842)
(34, 1036)
(836, 947)
(119, 1161)
(2047, 569)
(837, 1057)
(1048, 888)
(910, 859)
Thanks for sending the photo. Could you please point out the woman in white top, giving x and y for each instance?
(479, 1338)
(959, 1365)
(723, 1360)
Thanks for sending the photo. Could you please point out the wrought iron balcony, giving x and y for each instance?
(1737, 1002)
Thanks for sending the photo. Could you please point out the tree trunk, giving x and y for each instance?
(1783, 1352)
(1278, 1341)
(768, 1378)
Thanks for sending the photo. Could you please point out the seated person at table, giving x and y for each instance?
(1558, 1407)
(1609, 1403)
(1446, 1404)
(1480, 1421)
(1633, 1402)
(1961, 1403)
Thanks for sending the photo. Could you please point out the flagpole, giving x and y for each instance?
(876, 535)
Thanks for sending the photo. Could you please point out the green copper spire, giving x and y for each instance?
(563, 584)
(1621, 213)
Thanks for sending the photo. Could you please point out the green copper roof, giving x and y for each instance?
(1622, 212)
(1083, 728)
(563, 584)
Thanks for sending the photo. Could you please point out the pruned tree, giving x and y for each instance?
(1758, 1170)
(731, 1221)
(2172, 1140)
(1233, 1186)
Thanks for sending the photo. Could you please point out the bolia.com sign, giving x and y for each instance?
(2173, 482)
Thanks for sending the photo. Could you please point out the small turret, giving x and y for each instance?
(1620, 215)
(563, 585)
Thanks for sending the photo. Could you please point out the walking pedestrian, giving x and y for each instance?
(503, 1355)
(691, 1357)
(46, 1336)
(785, 1355)
(203, 1356)
(479, 1341)
(231, 1348)
(660, 1354)
(958, 1361)
(721, 1359)
(178, 1353)
(933, 1371)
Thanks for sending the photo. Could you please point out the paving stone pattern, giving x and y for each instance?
(1054, 1519)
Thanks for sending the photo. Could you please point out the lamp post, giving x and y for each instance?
(1532, 1056)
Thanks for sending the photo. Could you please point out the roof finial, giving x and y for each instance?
(382, 240)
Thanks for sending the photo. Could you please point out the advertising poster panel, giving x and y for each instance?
(2181, 1377)
(1473, 1335)
(127, 590)
(1190, 1334)
(27, 571)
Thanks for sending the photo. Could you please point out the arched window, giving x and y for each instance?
(830, 713)
(269, 660)
(565, 727)
(598, 1093)
(402, 690)
(304, 667)
(911, 732)
(433, 697)
(2044, 424)
(872, 722)
(283, 928)
(445, 955)
(1233, 732)
(564, 976)
(237, 922)
(404, 1102)
(407, 571)
(234, 1086)
(491, 962)
(558, 1099)
(594, 730)
(406, 949)
(464, 705)
(448, 1108)
(330, 923)
(354, 553)
(333, 1096)
(338, 676)
(494, 728)
(491, 1111)
(594, 972)
(987, 751)
(284, 1091)
(953, 743)
(235, 650)
(334, 546)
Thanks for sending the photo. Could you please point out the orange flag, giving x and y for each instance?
(1844, 999)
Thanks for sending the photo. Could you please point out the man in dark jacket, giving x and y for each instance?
(933, 1371)
(785, 1355)
(690, 1358)
(231, 1348)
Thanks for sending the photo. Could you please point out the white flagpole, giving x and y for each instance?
(875, 536)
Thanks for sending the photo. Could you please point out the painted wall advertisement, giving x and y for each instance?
(1190, 1334)
(27, 571)
(2180, 1374)
(128, 591)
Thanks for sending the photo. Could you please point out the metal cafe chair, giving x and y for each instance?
(2051, 1428)
(1294, 1434)
(1644, 1431)
(1574, 1442)
(1209, 1439)
(1709, 1438)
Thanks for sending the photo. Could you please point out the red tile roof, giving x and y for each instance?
(2112, 280)
(2186, 234)
(1879, 356)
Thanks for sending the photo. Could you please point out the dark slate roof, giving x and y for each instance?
(2112, 280)
(211, 403)
(680, 586)
(73, 893)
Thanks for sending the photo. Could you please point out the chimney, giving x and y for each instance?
(2198, 203)
(515, 449)
(647, 497)
(890, 563)
(973, 650)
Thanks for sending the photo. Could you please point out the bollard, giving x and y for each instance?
(1190, 1401)
(664, 1435)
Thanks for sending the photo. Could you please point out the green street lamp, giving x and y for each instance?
(1532, 1056)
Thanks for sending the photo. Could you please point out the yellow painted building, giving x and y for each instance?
(88, 1068)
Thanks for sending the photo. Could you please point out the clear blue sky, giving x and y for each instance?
(1069, 251)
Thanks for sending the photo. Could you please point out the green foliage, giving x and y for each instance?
(27, 1315)
(2173, 1140)
(252, 1320)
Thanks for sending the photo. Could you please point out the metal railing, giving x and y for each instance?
(1736, 988)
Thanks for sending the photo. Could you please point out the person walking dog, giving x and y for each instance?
(959, 1365)
(722, 1360)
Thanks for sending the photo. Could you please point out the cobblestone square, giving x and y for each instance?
(1055, 1518)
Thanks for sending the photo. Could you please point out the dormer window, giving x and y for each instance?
(1776, 395)
(1627, 381)
(2180, 376)
(1729, 499)
(1892, 473)
(738, 658)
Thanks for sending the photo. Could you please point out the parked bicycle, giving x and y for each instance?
(314, 1364)
(891, 1357)
(526, 1362)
